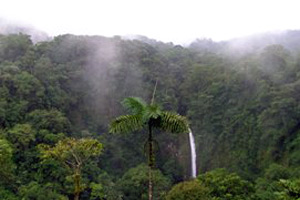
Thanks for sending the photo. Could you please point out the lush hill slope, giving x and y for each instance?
(242, 103)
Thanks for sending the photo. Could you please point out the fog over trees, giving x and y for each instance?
(240, 97)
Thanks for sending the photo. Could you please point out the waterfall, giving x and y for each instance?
(193, 153)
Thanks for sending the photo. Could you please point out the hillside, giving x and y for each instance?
(241, 98)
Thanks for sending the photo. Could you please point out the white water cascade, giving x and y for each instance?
(193, 154)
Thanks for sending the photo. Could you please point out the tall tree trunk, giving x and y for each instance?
(77, 188)
(76, 196)
(150, 161)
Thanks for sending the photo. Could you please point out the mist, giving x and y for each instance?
(240, 97)
(12, 27)
(177, 22)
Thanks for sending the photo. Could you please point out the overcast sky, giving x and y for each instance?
(178, 21)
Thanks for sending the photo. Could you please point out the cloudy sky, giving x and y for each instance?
(178, 21)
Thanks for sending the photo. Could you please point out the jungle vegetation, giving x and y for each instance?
(58, 98)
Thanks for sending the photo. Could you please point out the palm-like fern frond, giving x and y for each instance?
(152, 111)
(126, 124)
(151, 116)
(134, 105)
(174, 123)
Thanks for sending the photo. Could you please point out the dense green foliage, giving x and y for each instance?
(217, 185)
(73, 154)
(152, 117)
(242, 103)
(134, 183)
(224, 185)
(189, 190)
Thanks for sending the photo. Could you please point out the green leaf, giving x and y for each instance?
(126, 124)
(174, 123)
(134, 105)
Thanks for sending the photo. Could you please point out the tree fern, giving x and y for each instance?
(134, 105)
(150, 116)
(126, 124)
(174, 123)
